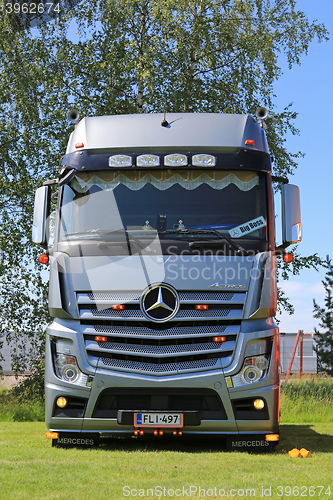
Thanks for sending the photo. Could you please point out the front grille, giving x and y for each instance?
(161, 367)
(137, 331)
(133, 296)
(135, 314)
(184, 343)
(158, 349)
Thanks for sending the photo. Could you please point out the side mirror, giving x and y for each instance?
(291, 215)
(41, 213)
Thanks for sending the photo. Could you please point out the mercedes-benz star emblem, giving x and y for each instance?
(159, 303)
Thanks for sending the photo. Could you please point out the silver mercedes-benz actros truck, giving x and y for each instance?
(162, 279)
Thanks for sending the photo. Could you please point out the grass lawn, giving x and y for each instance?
(32, 469)
(162, 469)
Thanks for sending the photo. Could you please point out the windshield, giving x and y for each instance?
(175, 205)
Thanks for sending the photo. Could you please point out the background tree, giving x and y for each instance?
(127, 56)
(324, 340)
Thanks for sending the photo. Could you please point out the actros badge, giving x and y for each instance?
(159, 303)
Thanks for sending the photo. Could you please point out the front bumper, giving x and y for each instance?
(233, 417)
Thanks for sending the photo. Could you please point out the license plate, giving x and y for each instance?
(150, 419)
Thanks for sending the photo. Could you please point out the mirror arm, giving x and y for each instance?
(276, 178)
(50, 182)
(281, 249)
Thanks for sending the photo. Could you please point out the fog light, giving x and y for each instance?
(259, 404)
(61, 402)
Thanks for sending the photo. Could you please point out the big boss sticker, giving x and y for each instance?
(247, 227)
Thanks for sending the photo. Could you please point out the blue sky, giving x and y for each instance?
(310, 88)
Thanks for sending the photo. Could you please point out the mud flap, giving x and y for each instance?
(76, 440)
(251, 443)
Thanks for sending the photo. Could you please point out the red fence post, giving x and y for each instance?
(301, 355)
(293, 354)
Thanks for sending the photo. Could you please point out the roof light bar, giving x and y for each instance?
(175, 160)
(203, 160)
(120, 161)
(147, 161)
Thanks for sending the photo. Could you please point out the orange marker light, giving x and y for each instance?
(219, 339)
(52, 435)
(250, 142)
(118, 307)
(79, 144)
(155, 432)
(288, 257)
(201, 307)
(141, 432)
(272, 437)
(98, 338)
(136, 432)
(180, 433)
(161, 433)
(43, 259)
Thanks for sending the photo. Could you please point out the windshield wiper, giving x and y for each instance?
(220, 236)
(103, 232)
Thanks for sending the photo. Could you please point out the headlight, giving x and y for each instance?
(253, 370)
(251, 374)
(66, 369)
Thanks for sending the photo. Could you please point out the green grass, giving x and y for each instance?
(15, 409)
(32, 469)
(307, 400)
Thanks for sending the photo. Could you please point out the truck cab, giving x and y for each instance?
(163, 279)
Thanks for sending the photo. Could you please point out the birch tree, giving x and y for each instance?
(126, 56)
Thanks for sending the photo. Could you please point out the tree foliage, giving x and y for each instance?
(127, 56)
(324, 339)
